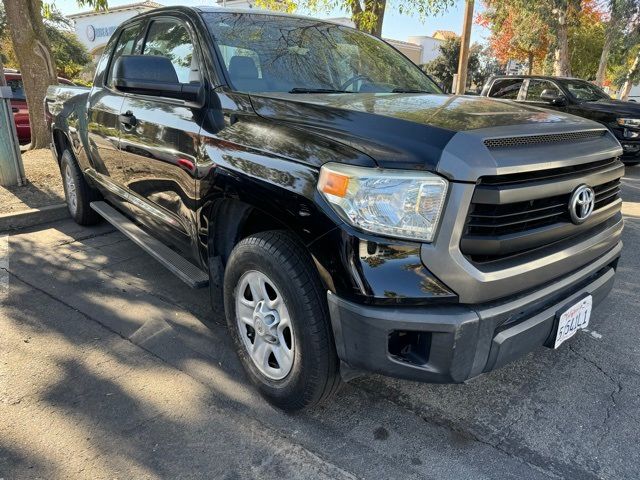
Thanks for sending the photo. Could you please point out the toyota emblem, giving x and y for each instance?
(581, 204)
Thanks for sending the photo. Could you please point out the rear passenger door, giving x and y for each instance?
(159, 141)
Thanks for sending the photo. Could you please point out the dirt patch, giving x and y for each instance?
(44, 184)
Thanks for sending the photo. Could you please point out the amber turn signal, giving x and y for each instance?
(333, 183)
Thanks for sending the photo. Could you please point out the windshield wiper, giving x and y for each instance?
(408, 90)
(316, 90)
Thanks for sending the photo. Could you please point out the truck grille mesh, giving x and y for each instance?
(538, 139)
(497, 229)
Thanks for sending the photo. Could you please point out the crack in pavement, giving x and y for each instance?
(613, 404)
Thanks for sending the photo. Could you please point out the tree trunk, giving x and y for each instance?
(562, 67)
(631, 74)
(530, 59)
(31, 45)
(606, 49)
(377, 8)
(613, 29)
(372, 9)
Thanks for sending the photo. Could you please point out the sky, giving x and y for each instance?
(395, 26)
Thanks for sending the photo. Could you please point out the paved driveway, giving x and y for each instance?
(112, 368)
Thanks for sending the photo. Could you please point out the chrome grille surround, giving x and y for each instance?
(510, 216)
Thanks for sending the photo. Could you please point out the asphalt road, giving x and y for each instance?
(112, 368)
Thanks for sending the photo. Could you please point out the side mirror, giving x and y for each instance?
(553, 97)
(154, 76)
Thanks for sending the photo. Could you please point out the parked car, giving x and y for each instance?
(577, 97)
(347, 215)
(19, 104)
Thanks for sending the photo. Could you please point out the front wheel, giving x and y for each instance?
(278, 317)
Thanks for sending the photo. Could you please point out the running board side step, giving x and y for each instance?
(172, 261)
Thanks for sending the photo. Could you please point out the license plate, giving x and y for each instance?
(573, 319)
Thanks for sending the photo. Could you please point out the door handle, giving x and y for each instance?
(128, 120)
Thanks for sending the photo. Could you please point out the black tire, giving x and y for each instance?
(631, 164)
(314, 375)
(80, 210)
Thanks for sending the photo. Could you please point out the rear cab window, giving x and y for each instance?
(507, 88)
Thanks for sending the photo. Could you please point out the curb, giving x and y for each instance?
(33, 216)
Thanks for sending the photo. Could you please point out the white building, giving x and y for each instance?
(94, 29)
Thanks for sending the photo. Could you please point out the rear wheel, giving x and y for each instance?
(77, 192)
(278, 318)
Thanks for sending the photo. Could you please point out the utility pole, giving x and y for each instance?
(11, 168)
(465, 40)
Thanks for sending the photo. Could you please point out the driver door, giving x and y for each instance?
(159, 142)
(534, 89)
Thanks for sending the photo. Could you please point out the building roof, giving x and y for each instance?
(404, 44)
(146, 5)
(444, 34)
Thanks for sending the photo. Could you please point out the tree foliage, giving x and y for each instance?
(516, 34)
(69, 54)
(367, 15)
(586, 40)
(530, 29)
(445, 65)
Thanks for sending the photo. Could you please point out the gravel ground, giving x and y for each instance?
(44, 185)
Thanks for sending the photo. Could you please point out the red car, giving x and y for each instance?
(19, 105)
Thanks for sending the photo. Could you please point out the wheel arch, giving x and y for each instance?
(60, 142)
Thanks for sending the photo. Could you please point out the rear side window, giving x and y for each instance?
(536, 87)
(170, 38)
(507, 88)
(17, 89)
(125, 46)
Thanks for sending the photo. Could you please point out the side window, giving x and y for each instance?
(17, 89)
(506, 88)
(169, 38)
(536, 87)
(125, 46)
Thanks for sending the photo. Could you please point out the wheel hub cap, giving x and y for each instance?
(264, 325)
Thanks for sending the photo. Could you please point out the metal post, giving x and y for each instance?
(11, 168)
(465, 40)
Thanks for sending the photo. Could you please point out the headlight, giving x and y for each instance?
(393, 203)
(629, 122)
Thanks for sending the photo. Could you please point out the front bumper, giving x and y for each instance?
(453, 343)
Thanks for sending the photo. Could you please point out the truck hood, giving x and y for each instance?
(407, 130)
(617, 108)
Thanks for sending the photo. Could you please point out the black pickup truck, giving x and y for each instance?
(347, 215)
(577, 97)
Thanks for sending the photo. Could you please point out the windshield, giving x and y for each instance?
(585, 92)
(272, 53)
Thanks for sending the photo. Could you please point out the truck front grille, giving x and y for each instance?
(517, 213)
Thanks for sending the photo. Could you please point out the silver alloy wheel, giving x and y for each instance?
(72, 195)
(265, 325)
